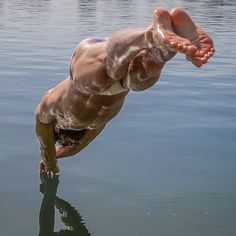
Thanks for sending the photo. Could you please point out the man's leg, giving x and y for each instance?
(145, 68)
(126, 44)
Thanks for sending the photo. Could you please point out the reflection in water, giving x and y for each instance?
(69, 216)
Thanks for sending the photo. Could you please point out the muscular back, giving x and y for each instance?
(88, 111)
(88, 69)
(89, 99)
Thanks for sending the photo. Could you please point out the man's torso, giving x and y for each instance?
(77, 110)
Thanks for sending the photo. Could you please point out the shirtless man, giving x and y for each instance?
(102, 72)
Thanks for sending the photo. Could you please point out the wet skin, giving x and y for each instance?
(104, 72)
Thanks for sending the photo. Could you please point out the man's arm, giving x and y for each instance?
(44, 128)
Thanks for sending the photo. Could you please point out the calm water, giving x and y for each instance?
(165, 166)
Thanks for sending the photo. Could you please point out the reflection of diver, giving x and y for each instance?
(69, 216)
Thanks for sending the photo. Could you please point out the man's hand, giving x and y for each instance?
(44, 168)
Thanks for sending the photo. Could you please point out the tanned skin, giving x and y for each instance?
(103, 72)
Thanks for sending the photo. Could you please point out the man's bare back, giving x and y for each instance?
(102, 72)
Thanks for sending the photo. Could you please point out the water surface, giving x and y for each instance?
(164, 166)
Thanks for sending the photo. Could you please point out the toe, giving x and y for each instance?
(201, 53)
(212, 50)
(180, 46)
(208, 55)
(192, 49)
(197, 61)
(204, 60)
(185, 49)
(173, 44)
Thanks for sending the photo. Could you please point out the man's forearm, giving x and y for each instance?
(45, 134)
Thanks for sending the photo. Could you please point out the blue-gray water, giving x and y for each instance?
(164, 166)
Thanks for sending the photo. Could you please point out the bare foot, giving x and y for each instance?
(162, 24)
(185, 27)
